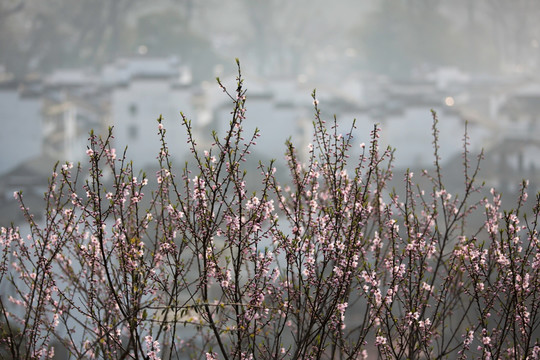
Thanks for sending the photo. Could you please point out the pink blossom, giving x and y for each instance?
(380, 340)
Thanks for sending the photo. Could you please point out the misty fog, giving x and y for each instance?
(67, 67)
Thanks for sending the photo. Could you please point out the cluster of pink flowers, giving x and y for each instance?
(330, 264)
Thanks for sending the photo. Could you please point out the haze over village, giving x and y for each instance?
(66, 69)
(269, 179)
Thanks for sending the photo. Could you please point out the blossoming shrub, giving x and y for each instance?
(331, 264)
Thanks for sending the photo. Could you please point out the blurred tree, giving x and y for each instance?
(166, 33)
(55, 33)
(287, 37)
(8, 8)
(516, 32)
(400, 36)
(44, 35)
(476, 35)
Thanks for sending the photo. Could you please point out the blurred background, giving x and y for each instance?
(67, 67)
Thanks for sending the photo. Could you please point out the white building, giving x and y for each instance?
(21, 135)
(142, 90)
(278, 116)
(73, 105)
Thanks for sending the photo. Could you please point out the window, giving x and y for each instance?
(133, 109)
(133, 131)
